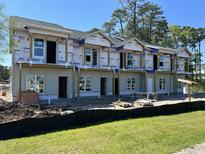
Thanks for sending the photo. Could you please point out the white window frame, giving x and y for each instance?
(132, 84)
(90, 54)
(35, 76)
(44, 48)
(162, 83)
(179, 85)
(86, 83)
(161, 61)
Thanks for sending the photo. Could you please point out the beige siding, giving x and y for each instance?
(123, 82)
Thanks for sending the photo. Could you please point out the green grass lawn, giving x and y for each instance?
(163, 134)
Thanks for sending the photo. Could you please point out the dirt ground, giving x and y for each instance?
(10, 111)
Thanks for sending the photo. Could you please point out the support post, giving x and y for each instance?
(20, 71)
(108, 57)
(119, 83)
(126, 60)
(141, 60)
(175, 75)
(123, 61)
(158, 61)
(73, 83)
(113, 83)
(83, 55)
(66, 51)
(189, 93)
(31, 45)
(79, 82)
(155, 81)
(145, 82)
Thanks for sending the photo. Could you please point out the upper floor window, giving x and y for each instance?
(94, 57)
(88, 55)
(162, 83)
(129, 59)
(38, 47)
(91, 56)
(161, 61)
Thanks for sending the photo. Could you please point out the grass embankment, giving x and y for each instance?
(163, 134)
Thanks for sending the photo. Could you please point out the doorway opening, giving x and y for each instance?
(121, 60)
(62, 92)
(155, 62)
(103, 86)
(51, 52)
(116, 87)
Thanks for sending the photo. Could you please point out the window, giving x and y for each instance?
(133, 83)
(88, 55)
(88, 84)
(82, 84)
(85, 84)
(162, 83)
(91, 56)
(38, 47)
(129, 59)
(130, 83)
(179, 85)
(94, 57)
(35, 83)
(161, 61)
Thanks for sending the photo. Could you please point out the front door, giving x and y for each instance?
(62, 87)
(103, 86)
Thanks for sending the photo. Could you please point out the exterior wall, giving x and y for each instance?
(15, 82)
(97, 39)
(71, 50)
(180, 90)
(115, 59)
(148, 61)
(168, 85)
(21, 47)
(136, 58)
(183, 54)
(133, 45)
(150, 82)
(123, 82)
(166, 59)
(95, 82)
(104, 58)
(78, 55)
(51, 85)
(181, 64)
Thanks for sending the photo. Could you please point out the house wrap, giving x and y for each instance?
(59, 62)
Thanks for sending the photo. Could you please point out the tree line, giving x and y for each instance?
(147, 22)
(4, 73)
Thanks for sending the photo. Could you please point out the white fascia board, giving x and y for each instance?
(46, 32)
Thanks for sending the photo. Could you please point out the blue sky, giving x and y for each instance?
(86, 14)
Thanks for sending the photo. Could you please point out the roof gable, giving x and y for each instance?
(97, 38)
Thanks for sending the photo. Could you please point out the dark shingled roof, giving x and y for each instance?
(75, 34)
(23, 21)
